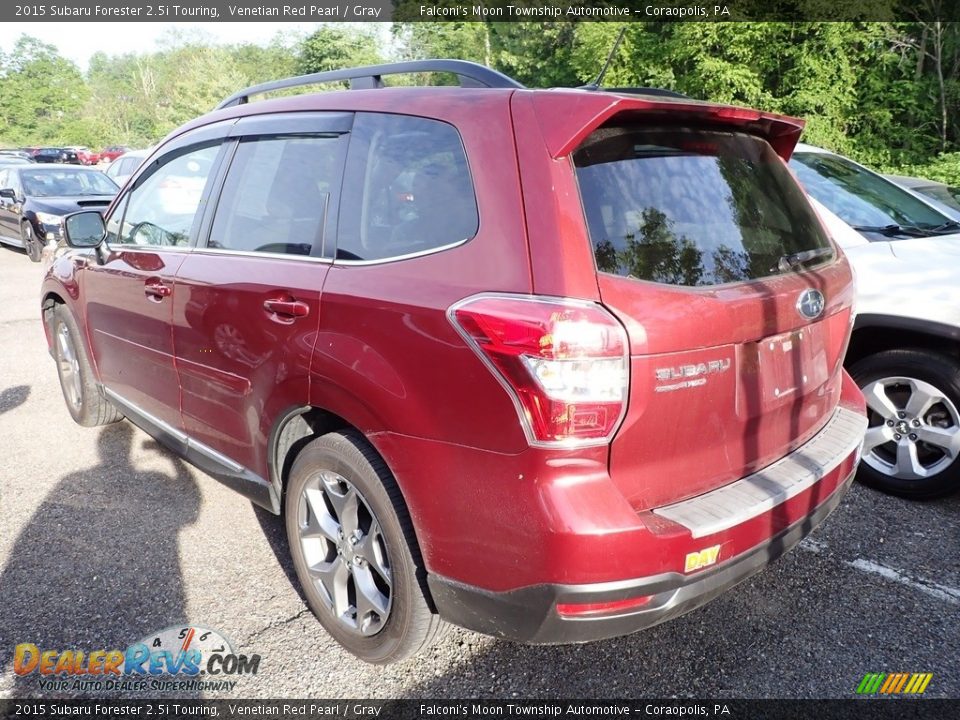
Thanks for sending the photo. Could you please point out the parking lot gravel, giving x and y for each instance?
(106, 538)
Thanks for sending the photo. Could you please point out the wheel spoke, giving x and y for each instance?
(878, 401)
(319, 523)
(947, 439)
(343, 497)
(922, 397)
(69, 365)
(370, 548)
(877, 436)
(369, 599)
(908, 465)
(348, 512)
(333, 577)
(77, 388)
(65, 351)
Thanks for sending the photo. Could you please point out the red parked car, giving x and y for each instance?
(550, 365)
(85, 155)
(111, 153)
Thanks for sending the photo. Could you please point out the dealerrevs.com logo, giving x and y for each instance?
(176, 659)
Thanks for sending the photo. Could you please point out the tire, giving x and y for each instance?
(912, 446)
(340, 488)
(82, 393)
(30, 243)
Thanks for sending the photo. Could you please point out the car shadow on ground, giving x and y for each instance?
(13, 397)
(276, 535)
(98, 564)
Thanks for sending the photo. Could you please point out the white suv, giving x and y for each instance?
(905, 349)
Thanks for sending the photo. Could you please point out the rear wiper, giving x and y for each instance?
(893, 230)
(796, 261)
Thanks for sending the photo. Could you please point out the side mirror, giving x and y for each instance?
(8, 193)
(84, 229)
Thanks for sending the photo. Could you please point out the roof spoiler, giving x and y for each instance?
(568, 117)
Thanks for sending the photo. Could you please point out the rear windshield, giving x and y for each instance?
(694, 207)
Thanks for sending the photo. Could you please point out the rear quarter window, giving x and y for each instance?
(407, 189)
(692, 207)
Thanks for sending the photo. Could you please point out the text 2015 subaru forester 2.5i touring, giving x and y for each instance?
(553, 365)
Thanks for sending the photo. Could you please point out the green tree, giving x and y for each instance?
(259, 64)
(41, 94)
(334, 48)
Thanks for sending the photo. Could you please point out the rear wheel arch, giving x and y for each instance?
(292, 431)
(300, 426)
(296, 428)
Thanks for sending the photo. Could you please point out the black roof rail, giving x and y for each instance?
(470, 74)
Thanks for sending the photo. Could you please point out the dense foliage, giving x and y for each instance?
(885, 93)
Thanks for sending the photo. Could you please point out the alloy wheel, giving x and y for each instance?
(914, 428)
(345, 552)
(68, 364)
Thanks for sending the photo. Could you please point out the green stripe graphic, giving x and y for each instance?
(871, 683)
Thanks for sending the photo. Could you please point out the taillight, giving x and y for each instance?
(564, 362)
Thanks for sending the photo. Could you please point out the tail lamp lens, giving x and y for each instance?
(565, 362)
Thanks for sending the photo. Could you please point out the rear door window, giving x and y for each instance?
(277, 193)
(407, 189)
(693, 207)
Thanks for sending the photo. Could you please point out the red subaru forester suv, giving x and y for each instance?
(553, 365)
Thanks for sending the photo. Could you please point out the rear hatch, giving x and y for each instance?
(737, 304)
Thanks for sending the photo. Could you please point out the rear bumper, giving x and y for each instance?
(530, 614)
(667, 561)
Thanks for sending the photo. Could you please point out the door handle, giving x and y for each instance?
(156, 290)
(287, 308)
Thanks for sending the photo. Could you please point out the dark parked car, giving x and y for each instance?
(553, 365)
(56, 155)
(34, 200)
